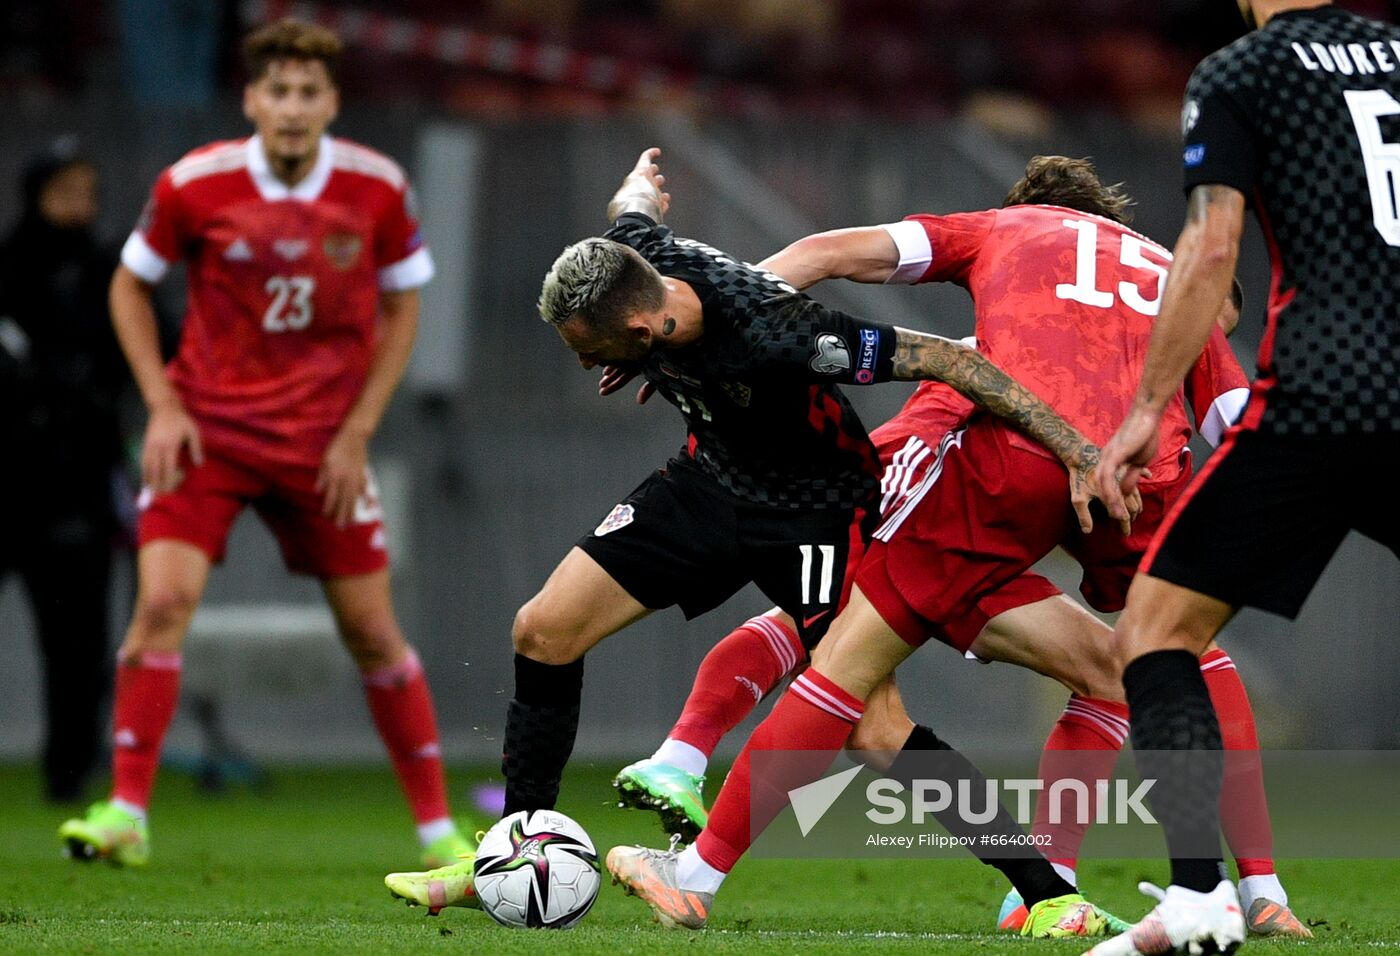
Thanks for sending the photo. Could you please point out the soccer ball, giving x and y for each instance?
(536, 870)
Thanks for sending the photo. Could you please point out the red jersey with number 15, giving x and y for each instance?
(282, 316)
(1065, 303)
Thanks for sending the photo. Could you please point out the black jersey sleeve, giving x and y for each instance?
(795, 335)
(638, 231)
(1218, 137)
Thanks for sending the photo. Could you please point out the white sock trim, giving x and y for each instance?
(1067, 872)
(678, 753)
(139, 812)
(1266, 885)
(435, 830)
(693, 873)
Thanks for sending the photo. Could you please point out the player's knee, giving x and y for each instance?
(1140, 632)
(1099, 671)
(162, 613)
(372, 640)
(542, 637)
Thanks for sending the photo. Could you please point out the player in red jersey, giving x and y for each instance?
(965, 512)
(304, 261)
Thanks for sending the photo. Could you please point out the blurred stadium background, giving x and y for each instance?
(516, 119)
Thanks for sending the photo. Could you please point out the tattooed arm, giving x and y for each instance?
(1203, 266)
(642, 190)
(921, 356)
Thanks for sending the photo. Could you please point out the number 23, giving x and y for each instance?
(290, 309)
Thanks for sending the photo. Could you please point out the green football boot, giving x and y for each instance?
(1070, 915)
(674, 794)
(107, 833)
(437, 889)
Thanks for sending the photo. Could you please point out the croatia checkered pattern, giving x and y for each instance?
(1303, 116)
(766, 419)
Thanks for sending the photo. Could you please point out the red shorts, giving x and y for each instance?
(963, 523)
(203, 508)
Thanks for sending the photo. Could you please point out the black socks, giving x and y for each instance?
(541, 724)
(1032, 875)
(1176, 739)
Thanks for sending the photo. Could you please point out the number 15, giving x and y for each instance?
(1086, 270)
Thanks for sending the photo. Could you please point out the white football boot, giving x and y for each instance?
(1183, 921)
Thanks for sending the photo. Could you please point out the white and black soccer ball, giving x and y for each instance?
(538, 870)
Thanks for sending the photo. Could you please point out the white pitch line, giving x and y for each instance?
(853, 934)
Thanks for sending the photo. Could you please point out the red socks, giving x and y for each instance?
(1093, 728)
(735, 675)
(147, 692)
(402, 707)
(1084, 745)
(809, 724)
(1244, 810)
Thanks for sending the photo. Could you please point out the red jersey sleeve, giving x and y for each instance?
(939, 248)
(159, 235)
(399, 251)
(1217, 388)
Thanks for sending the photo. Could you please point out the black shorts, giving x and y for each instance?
(1266, 514)
(681, 539)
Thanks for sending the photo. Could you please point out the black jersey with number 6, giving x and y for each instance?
(1303, 117)
(759, 389)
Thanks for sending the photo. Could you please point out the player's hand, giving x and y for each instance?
(344, 476)
(169, 432)
(616, 376)
(1084, 488)
(646, 176)
(1123, 461)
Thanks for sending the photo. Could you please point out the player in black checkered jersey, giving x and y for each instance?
(778, 481)
(1300, 119)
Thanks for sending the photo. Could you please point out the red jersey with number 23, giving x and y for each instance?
(1065, 303)
(283, 304)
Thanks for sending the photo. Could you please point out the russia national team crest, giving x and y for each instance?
(342, 249)
(619, 517)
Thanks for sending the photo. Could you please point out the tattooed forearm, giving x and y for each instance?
(919, 356)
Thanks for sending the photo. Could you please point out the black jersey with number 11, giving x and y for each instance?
(759, 389)
(1303, 117)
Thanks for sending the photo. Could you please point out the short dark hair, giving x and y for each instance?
(602, 282)
(290, 39)
(1072, 183)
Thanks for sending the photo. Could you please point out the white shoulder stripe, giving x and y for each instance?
(915, 252)
(221, 160)
(147, 264)
(1224, 412)
(359, 159)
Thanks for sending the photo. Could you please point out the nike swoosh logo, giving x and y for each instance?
(809, 621)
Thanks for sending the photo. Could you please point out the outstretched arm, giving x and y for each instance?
(1203, 266)
(921, 356)
(861, 254)
(642, 190)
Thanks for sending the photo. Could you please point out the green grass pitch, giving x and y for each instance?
(297, 867)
